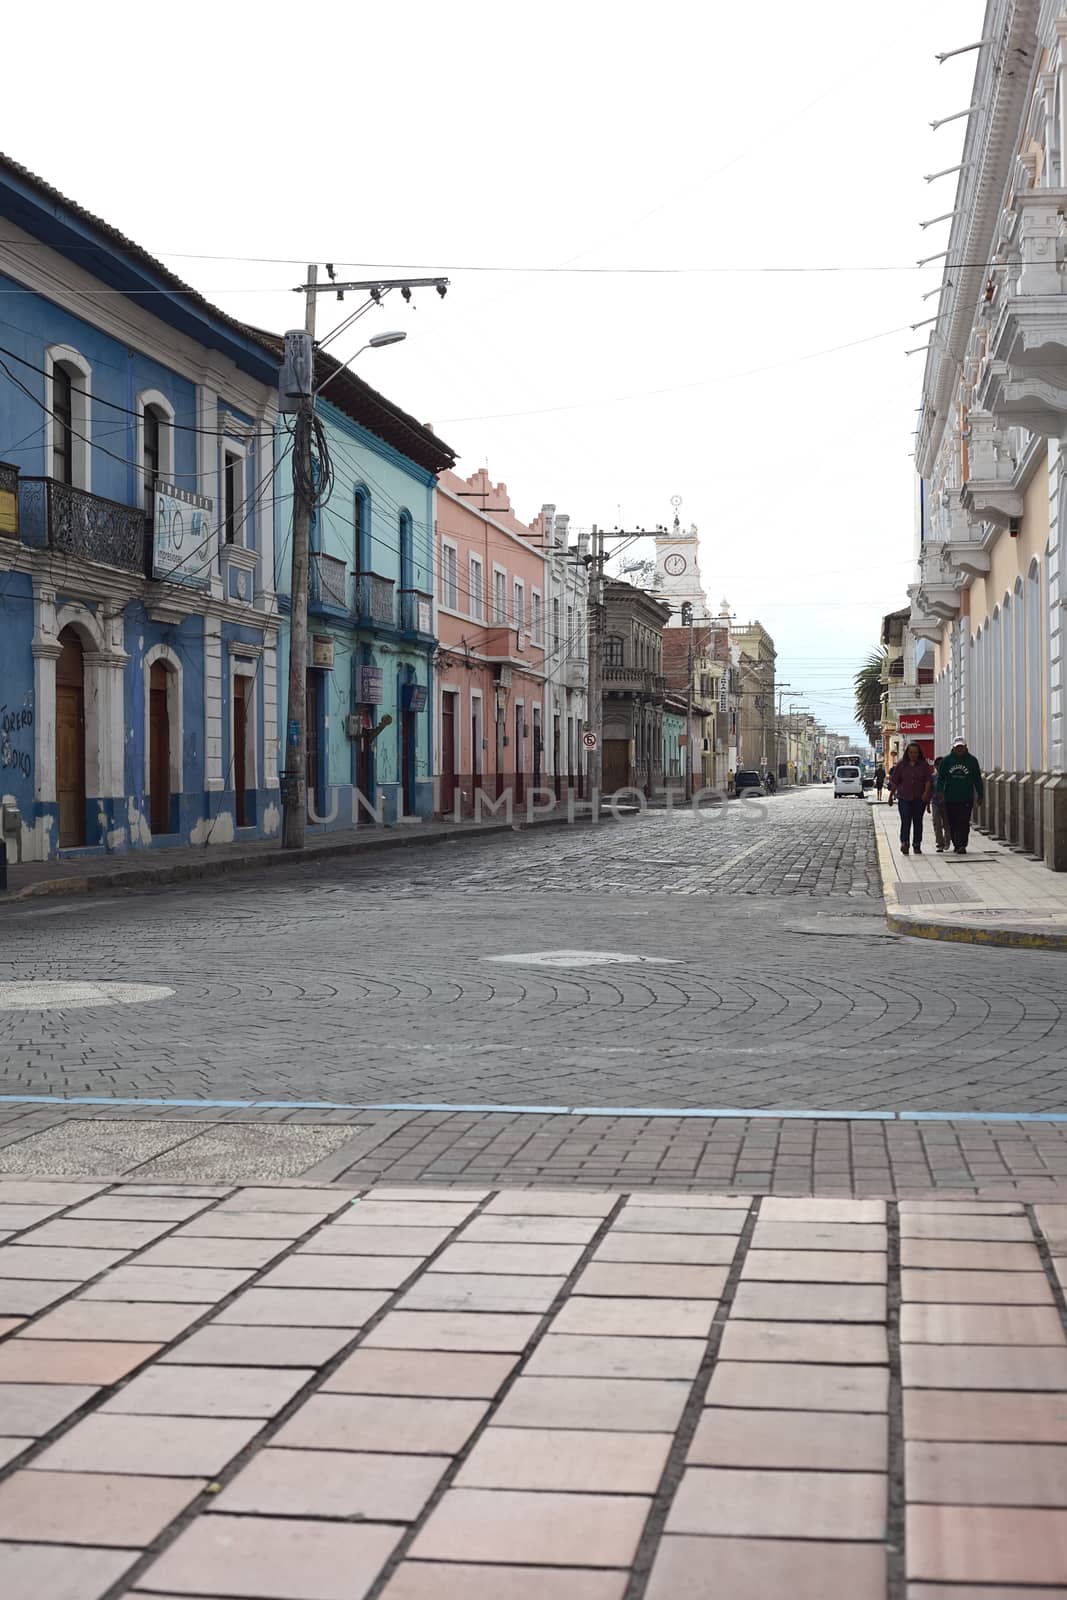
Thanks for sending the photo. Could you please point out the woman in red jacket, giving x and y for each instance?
(910, 784)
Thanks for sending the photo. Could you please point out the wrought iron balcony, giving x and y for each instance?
(416, 611)
(374, 598)
(328, 584)
(55, 516)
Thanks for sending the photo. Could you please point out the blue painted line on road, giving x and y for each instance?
(753, 1112)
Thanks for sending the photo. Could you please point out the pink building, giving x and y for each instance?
(490, 680)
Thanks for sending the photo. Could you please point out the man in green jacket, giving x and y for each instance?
(959, 779)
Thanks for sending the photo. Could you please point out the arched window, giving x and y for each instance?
(68, 424)
(407, 551)
(613, 650)
(362, 547)
(155, 443)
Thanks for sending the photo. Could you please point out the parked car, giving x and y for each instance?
(848, 781)
(749, 783)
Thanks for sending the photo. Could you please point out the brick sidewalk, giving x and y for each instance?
(289, 1393)
(992, 895)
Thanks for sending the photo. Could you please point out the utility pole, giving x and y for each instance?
(594, 765)
(294, 791)
(687, 621)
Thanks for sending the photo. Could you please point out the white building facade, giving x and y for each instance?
(992, 517)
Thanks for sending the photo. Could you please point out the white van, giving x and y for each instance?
(848, 780)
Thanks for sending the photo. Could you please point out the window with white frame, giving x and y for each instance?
(536, 617)
(155, 442)
(555, 622)
(477, 578)
(449, 576)
(234, 494)
(69, 418)
(500, 596)
(518, 603)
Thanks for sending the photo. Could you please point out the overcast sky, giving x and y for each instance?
(713, 140)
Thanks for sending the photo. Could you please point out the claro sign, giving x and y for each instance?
(917, 722)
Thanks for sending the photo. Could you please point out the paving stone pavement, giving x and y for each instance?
(767, 979)
(294, 1392)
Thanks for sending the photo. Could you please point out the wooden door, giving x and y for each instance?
(407, 761)
(615, 767)
(240, 733)
(159, 749)
(448, 753)
(70, 741)
(364, 777)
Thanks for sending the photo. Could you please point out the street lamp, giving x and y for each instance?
(376, 342)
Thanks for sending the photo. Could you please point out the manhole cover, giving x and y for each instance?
(50, 996)
(581, 958)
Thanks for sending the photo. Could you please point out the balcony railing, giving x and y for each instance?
(329, 581)
(416, 611)
(634, 680)
(374, 598)
(55, 516)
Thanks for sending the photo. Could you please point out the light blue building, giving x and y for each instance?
(371, 626)
(138, 623)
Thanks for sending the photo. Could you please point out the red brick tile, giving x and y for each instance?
(550, 1203)
(482, 1291)
(653, 1278)
(1004, 1230)
(110, 1319)
(831, 1440)
(445, 1580)
(565, 1459)
(195, 1391)
(925, 1323)
(448, 1374)
(91, 1508)
(181, 1446)
(9, 1324)
(804, 1341)
(688, 1249)
(51, 1572)
(615, 1404)
(765, 1569)
(961, 1255)
(260, 1558)
(977, 1288)
(212, 1252)
(787, 1386)
(34, 1409)
(983, 1544)
(853, 1236)
(567, 1530)
(401, 1425)
(225, 1346)
(986, 1474)
(568, 1355)
(814, 1266)
(335, 1240)
(539, 1260)
(70, 1360)
(59, 1262)
(448, 1330)
(762, 1504)
(773, 1209)
(529, 1230)
(348, 1486)
(969, 1366)
(971, 1415)
(671, 1319)
(304, 1308)
(113, 1235)
(189, 1284)
(809, 1302)
(339, 1272)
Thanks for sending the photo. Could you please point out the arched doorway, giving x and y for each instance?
(159, 748)
(70, 741)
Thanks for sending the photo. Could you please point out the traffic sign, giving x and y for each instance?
(589, 740)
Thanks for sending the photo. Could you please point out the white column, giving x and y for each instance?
(213, 778)
(46, 651)
(271, 733)
(1057, 594)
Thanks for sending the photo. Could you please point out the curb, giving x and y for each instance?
(903, 922)
(124, 878)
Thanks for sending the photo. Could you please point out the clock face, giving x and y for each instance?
(674, 565)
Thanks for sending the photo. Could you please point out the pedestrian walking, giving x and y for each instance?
(879, 779)
(910, 784)
(937, 810)
(959, 780)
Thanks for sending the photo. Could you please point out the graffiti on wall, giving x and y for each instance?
(16, 741)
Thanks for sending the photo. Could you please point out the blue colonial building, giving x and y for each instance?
(138, 620)
(371, 631)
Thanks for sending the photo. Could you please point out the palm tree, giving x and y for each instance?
(868, 682)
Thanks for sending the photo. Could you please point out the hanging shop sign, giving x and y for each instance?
(916, 722)
(371, 691)
(322, 651)
(414, 697)
(183, 536)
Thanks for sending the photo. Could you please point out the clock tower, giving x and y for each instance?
(678, 569)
